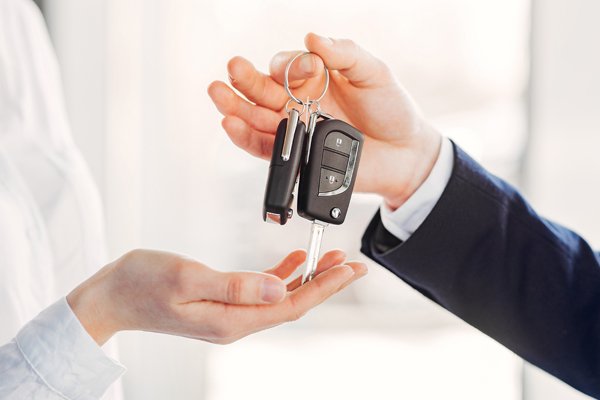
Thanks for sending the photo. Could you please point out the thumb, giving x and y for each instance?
(245, 288)
(352, 61)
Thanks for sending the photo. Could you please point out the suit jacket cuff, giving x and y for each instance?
(405, 220)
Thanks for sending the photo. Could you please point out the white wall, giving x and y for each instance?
(83, 64)
(563, 177)
(99, 47)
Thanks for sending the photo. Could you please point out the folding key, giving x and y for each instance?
(327, 179)
(283, 170)
(328, 162)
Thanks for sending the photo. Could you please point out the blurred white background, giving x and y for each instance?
(517, 84)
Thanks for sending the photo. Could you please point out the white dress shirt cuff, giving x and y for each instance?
(404, 221)
(61, 352)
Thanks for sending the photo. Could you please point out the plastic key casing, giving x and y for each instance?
(283, 173)
(327, 178)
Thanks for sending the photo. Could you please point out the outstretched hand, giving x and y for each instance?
(167, 293)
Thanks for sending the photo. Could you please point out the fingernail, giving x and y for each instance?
(325, 40)
(306, 64)
(272, 291)
(363, 270)
(348, 271)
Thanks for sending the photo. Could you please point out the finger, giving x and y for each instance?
(329, 259)
(256, 86)
(304, 67)
(288, 265)
(298, 303)
(257, 143)
(229, 103)
(313, 293)
(360, 270)
(359, 66)
(243, 288)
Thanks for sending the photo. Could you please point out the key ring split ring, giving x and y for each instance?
(301, 111)
(287, 82)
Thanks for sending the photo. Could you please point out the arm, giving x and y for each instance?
(486, 256)
(482, 253)
(53, 357)
(57, 354)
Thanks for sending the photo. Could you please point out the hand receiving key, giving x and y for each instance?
(164, 292)
(400, 147)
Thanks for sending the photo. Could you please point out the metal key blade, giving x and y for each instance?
(314, 250)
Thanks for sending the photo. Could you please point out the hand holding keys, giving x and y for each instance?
(326, 153)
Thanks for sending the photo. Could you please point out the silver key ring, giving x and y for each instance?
(300, 111)
(286, 82)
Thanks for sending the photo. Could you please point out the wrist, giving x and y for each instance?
(91, 304)
(416, 161)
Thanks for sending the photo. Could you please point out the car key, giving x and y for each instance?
(284, 167)
(327, 180)
(327, 153)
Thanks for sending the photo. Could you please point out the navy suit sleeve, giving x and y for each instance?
(486, 256)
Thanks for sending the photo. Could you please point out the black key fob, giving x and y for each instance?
(283, 170)
(327, 178)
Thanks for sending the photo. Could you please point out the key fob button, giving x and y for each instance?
(335, 161)
(335, 212)
(339, 142)
(330, 180)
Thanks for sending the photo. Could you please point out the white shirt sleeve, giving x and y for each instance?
(53, 357)
(404, 221)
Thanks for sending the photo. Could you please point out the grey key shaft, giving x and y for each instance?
(314, 250)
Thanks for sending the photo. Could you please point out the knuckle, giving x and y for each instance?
(349, 42)
(239, 82)
(261, 88)
(133, 254)
(234, 289)
(223, 332)
(223, 341)
(132, 258)
(178, 276)
(350, 45)
(296, 311)
(243, 140)
(266, 147)
(318, 284)
(178, 268)
(384, 70)
(254, 84)
(282, 58)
